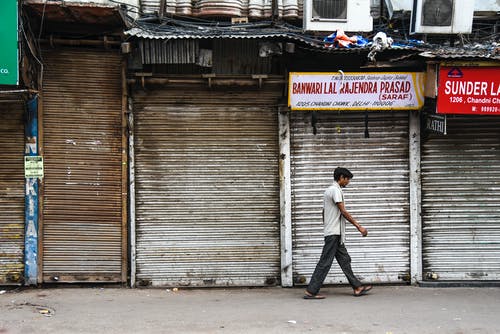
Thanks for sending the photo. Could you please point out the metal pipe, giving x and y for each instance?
(213, 81)
(80, 42)
(18, 91)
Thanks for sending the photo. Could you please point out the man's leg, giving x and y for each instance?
(324, 264)
(344, 261)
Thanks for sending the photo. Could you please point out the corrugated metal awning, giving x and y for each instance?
(170, 29)
(476, 52)
(154, 31)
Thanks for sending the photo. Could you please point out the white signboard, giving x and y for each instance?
(356, 91)
(33, 166)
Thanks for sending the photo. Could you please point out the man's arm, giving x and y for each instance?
(347, 215)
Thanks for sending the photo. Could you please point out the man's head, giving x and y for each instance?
(342, 175)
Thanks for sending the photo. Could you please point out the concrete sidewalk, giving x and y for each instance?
(386, 309)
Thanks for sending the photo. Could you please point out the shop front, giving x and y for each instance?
(206, 184)
(12, 120)
(83, 194)
(12, 111)
(360, 121)
(461, 178)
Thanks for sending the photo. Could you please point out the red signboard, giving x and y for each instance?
(469, 90)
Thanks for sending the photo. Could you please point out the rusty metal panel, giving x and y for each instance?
(82, 148)
(256, 9)
(228, 8)
(230, 56)
(291, 9)
(378, 195)
(207, 187)
(461, 200)
(153, 6)
(182, 51)
(11, 192)
(239, 56)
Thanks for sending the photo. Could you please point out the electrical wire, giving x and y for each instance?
(41, 22)
(33, 53)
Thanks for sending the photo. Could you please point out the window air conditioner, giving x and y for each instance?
(442, 16)
(330, 15)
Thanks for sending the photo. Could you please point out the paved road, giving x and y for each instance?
(387, 309)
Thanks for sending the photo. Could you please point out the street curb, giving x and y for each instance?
(459, 284)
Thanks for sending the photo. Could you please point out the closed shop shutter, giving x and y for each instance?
(11, 192)
(461, 200)
(83, 223)
(207, 187)
(378, 195)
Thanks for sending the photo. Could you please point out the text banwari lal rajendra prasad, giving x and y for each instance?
(388, 90)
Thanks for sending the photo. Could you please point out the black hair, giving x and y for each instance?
(340, 171)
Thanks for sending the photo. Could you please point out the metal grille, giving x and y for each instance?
(207, 191)
(239, 57)
(461, 200)
(82, 147)
(169, 51)
(437, 13)
(329, 9)
(11, 192)
(378, 195)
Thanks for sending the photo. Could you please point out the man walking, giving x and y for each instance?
(334, 216)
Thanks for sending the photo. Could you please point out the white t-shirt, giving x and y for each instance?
(333, 220)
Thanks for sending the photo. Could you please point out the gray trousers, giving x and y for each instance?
(332, 249)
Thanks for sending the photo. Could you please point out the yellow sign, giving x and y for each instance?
(356, 91)
(33, 166)
(470, 63)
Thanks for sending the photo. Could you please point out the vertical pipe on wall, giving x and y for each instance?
(124, 121)
(131, 171)
(285, 199)
(31, 197)
(415, 200)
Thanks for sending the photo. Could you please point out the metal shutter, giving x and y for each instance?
(461, 200)
(83, 223)
(11, 192)
(207, 187)
(378, 195)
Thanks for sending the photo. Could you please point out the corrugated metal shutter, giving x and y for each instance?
(461, 200)
(378, 196)
(207, 187)
(11, 192)
(83, 228)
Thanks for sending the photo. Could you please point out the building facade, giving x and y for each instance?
(175, 155)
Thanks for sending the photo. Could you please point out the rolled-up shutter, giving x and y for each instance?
(83, 221)
(11, 192)
(378, 195)
(461, 200)
(207, 192)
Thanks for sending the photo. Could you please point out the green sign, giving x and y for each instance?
(33, 166)
(9, 64)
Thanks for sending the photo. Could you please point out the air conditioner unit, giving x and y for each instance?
(330, 15)
(442, 16)
(487, 6)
